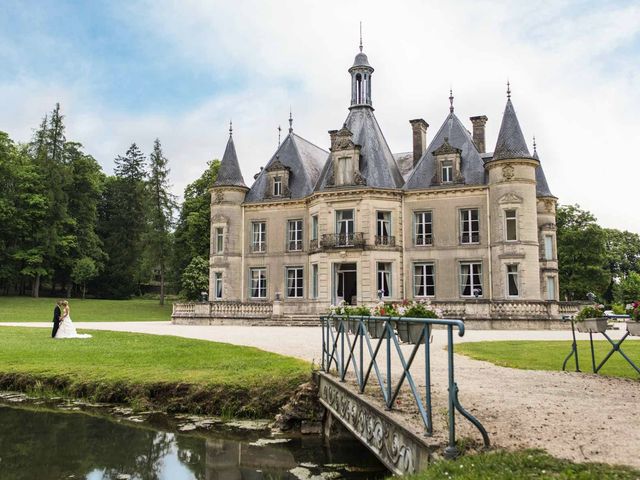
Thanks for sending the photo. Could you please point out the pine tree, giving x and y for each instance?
(161, 207)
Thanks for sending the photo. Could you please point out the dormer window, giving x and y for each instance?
(345, 158)
(277, 186)
(447, 171)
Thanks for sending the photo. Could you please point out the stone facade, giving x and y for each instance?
(449, 223)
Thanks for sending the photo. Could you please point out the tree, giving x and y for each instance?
(161, 207)
(195, 278)
(627, 290)
(84, 270)
(623, 252)
(581, 254)
(192, 234)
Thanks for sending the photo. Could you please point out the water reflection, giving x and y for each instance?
(55, 445)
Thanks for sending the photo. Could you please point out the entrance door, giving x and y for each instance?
(346, 286)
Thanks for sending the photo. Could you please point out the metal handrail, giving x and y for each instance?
(343, 350)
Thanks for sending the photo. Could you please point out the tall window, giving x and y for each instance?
(512, 280)
(314, 227)
(314, 280)
(424, 280)
(469, 226)
(258, 283)
(217, 285)
(551, 288)
(295, 282)
(423, 228)
(383, 228)
(511, 223)
(277, 186)
(295, 235)
(344, 226)
(447, 172)
(219, 239)
(471, 279)
(548, 247)
(259, 236)
(384, 279)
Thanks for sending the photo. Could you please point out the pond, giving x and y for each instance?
(37, 441)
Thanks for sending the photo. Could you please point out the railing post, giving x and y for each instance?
(341, 332)
(389, 333)
(451, 451)
(427, 376)
(361, 329)
(322, 319)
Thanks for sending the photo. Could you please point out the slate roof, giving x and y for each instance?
(377, 164)
(510, 143)
(304, 160)
(471, 163)
(404, 161)
(361, 60)
(542, 187)
(229, 174)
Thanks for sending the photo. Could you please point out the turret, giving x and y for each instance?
(513, 205)
(361, 80)
(227, 195)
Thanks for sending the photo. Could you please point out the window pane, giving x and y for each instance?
(423, 280)
(511, 222)
(470, 279)
(512, 280)
(384, 279)
(548, 247)
(551, 288)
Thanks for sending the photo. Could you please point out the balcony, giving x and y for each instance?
(467, 238)
(385, 241)
(337, 240)
(424, 240)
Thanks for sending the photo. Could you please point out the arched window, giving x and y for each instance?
(358, 88)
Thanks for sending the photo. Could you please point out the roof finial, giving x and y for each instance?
(451, 100)
(535, 151)
(360, 35)
(230, 128)
(508, 90)
(279, 130)
(290, 120)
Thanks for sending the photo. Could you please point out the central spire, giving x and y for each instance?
(361, 78)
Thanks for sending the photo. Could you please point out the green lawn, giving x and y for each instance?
(527, 464)
(165, 371)
(549, 355)
(27, 309)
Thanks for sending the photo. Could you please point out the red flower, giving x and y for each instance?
(382, 312)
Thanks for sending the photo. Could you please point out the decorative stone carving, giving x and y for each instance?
(343, 139)
(218, 197)
(508, 172)
(393, 445)
(549, 205)
(510, 198)
(219, 218)
(446, 148)
(358, 179)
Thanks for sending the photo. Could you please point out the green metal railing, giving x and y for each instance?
(343, 345)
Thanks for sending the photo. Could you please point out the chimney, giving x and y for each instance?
(478, 132)
(332, 136)
(419, 128)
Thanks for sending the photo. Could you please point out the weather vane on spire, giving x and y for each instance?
(451, 100)
(361, 36)
(290, 120)
(230, 128)
(508, 90)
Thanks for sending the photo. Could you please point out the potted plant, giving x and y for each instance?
(336, 311)
(376, 327)
(408, 331)
(633, 323)
(353, 316)
(591, 319)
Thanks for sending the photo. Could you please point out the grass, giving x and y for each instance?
(525, 464)
(151, 371)
(27, 309)
(549, 355)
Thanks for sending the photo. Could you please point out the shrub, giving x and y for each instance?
(590, 311)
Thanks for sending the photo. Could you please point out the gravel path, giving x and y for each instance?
(578, 416)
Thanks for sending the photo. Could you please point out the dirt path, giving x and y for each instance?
(578, 416)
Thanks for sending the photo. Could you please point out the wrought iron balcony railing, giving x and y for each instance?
(470, 238)
(385, 240)
(314, 244)
(258, 247)
(341, 240)
(422, 240)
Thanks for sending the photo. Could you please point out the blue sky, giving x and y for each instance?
(134, 71)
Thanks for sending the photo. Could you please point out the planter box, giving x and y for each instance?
(592, 325)
(375, 328)
(633, 326)
(409, 332)
(354, 322)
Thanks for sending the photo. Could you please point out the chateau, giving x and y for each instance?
(470, 229)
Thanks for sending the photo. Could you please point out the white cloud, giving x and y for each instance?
(571, 64)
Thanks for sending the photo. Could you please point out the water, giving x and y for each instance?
(40, 443)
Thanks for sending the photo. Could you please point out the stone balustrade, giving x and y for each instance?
(222, 310)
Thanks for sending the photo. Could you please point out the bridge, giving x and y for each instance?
(367, 384)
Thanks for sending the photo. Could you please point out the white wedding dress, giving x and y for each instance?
(67, 330)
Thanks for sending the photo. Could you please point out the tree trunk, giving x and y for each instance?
(161, 284)
(35, 292)
(84, 290)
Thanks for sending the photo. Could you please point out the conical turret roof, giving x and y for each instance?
(542, 187)
(511, 143)
(229, 174)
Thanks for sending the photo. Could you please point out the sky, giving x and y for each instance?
(131, 71)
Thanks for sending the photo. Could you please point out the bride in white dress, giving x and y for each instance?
(66, 329)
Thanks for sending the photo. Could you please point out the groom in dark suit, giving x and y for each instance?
(56, 319)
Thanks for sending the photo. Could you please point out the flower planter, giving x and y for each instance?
(592, 325)
(353, 324)
(336, 323)
(409, 332)
(633, 327)
(375, 328)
